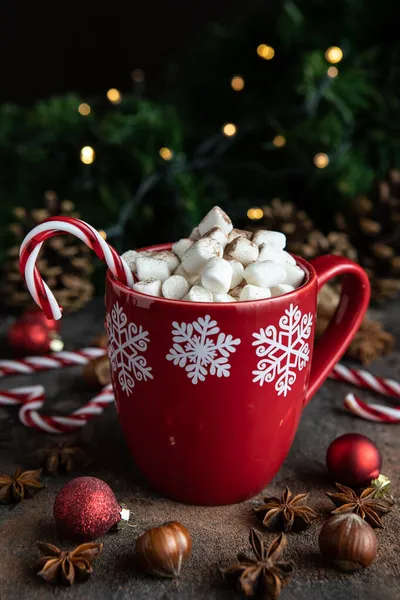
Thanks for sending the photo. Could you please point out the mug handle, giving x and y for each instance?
(346, 320)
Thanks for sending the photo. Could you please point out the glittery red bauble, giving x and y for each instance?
(34, 334)
(85, 509)
(353, 459)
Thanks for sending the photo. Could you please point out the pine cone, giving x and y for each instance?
(64, 262)
(374, 228)
(302, 238)
(371, 340)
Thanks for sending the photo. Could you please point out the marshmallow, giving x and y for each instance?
(194, 259)
(191, 278)
(268, 252)
(217, 234)
(180, 247)
(198, 294)
(282, 288)
(239, 233)
(215, 218)
(223, 298)
(294, 275)
(152, 268)
(152, 287)
(130, 258)
(237, 271)
(217, 275)
(236, 291)
(195, 235)
(175, 287)
(253, 292)
(273, 238)
(197, 282)
(266, 273)
(169, 257)
(242, 250)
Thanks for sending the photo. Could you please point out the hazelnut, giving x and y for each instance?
(162, 551)
(348, 542)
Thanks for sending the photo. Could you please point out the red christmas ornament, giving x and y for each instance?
(353, 459)
(86, 508)
(34, 334)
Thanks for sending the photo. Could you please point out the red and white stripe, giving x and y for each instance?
(33, 242)
(31, 398)
(371, 412)
(363, 379)
(33, 364)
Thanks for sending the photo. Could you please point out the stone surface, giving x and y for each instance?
(218, 532)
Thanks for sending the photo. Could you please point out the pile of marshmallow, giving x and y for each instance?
(218, 263)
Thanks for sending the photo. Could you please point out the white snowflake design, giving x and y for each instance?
(284, 351)
(126, 343)
(198, 352)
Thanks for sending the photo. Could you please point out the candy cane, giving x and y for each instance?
(33, 242)
(364, 379)
(371, 412)
(32, 398)
(34, 364)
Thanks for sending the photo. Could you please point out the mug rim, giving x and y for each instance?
(301, 262)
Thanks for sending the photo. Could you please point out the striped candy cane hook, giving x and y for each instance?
(366, 380)
(31, 398)
(33, 242)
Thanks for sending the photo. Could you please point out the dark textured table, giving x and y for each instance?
(218, 533)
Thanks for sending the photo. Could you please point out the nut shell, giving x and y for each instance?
(348, 542)
(162, 551)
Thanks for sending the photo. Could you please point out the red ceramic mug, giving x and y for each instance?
(209, 396)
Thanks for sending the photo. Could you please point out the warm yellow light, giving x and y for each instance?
(265, 52)
(165, 153)
(279, 141)
(321, 160)
(114, 96)
(334, 54)
(237, 83)
(84, 109)
(138, 75)
(332, 72)
(87, 155)
(229, 129)
(255, 214)
(103, 234)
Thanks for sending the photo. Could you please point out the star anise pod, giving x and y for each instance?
(286, 513)
(366, 506)
(57, 566)
(265, 575)
(23, 484)
(62, 457)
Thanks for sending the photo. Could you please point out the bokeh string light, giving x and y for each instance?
(84, 109)
(87, 155)
(279, 141)
(332, 72)
(334, 54)
(165, 153)
(321, 160)
(265, 52)
(114, 96)
(255, 214)
(237, 83)
(229, 129)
